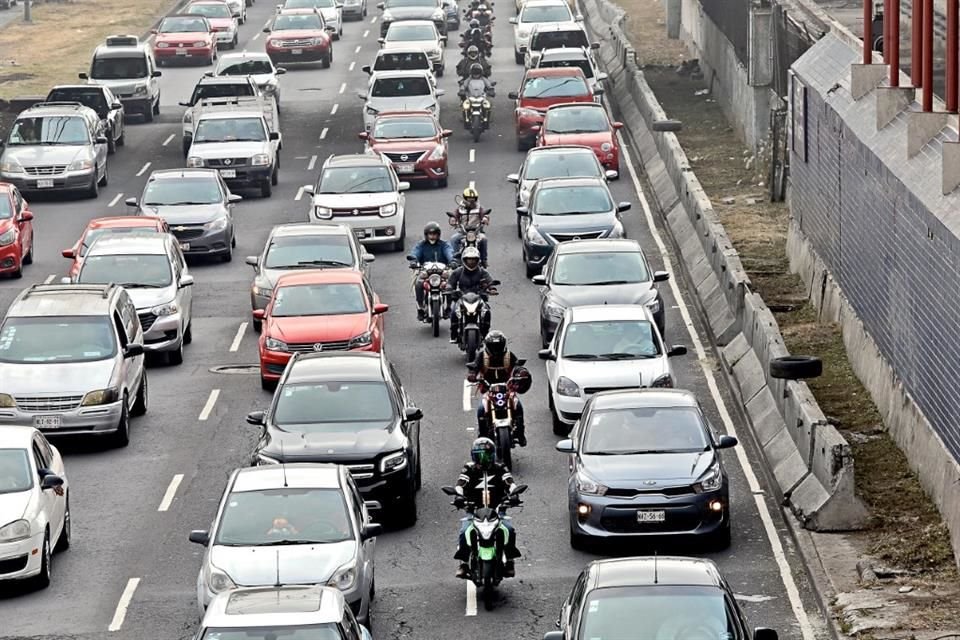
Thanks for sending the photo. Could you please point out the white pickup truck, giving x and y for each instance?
(221, 90)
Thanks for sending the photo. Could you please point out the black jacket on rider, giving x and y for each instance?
(463, 67)
(499, 483)
(476, 281)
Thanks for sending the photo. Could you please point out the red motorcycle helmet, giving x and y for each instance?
(521, 380)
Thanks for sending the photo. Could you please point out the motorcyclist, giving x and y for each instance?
(493, 365)
(431, 249)
(469, 277)
(476, 79)
(475, 35)
(471, 56)
(468, 213)
(471, 487)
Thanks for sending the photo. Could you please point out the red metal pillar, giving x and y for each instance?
(886, 31)
(916, 49)
(894, 43)
(868, 31)
(927, 55)
(951, 53)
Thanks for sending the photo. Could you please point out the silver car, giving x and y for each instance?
(71, 361)
(153, 271)
(421, 34)
(290, 524)
(198, 206)
(303, 246)
(255, 64)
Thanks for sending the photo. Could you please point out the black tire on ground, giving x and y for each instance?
(266, 189)
(142, 399)
(156, 106)
(42, 579)
(175, 357)
(28, 259)
(188, 334)
(111, 143)
(435, 312)
(121, 437)
(517, 57)
(796, 367)
(148, 115)
(327, 59)
(503, 445)
(577, 541)
(257, 325)
(63, 542)
(267, 385)
(405, 512)
(94, 190)
(720, 539)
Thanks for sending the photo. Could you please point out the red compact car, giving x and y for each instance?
(299, 35)
(540, 90)
(414, 142)
(583, 124)
(318, 311)
(184, 37)
(16, 231)
(104, 226)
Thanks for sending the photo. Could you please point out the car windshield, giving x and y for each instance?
(93, 234)
(143, 271)
(119, 68)
(600, 268)
(318, 300)
(663, 611)
(284, 516)
(400, 87)
(554, 87)
(245, 67)
(583, 65)
(325, 407)
(399, 31)
(328, 631)
(374, 179)
(610, 340)
(210, 10)
(232, 90)
(43, 339)
(559, 201)
(49, 130)
(645, 430)
(6, 209)
(297, 21)
(182, 191)
(551, 13)
(394, 128)
(230, 130)
(562, 165)
(402, 61)
(576, 120)
(15, 474)
(183, 25)
(557, 39)
(309, 4)
(92, 98)
(309, 252)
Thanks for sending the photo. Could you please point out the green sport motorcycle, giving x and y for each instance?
(487, 538)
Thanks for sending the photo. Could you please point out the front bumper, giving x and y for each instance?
(161, 333)
(388, 489)
(66, 181)
(21, 559)
(81, 420)
(10, 257)
(370, 230)
(536, 255)
(197, 241)
(137, 104)
(307, 54)
(425, 170)
(617, 517)
(524, 127)
(171, 53)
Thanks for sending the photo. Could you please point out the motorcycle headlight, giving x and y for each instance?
(194, 161)
(260, 160)
(466, 105)
(263, 459)
(486, 103)
(711, 480)
(273, 344)
(140, 89)
(100, 397)
(167, 309)
(16, 530)
(344, 577)
(200, 44)
(323, 212)
(567, 387)
(84, 164)
(438, 153)
(7, 401)
(435, 281)
(534, 237)
(216, 224)
(362, 340)
(589, 486)
(553, 309)
(218, 580)
(388, 210)
(663, 382)
(11, 166)
(393, 462)
(8, 237)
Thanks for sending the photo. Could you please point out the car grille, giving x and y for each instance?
(362, 471)
(302, 42)
(592, 390)
(660, 491)
(186, 233)
(567, 237)
(47, 403)
(412, 156)
(342, 345)
(363, 211)
(226, 162)
(12, 565)
(147, 320)
(48, 170)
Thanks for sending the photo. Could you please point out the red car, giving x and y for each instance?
(414, 142)
(184, 37)
(540, 90)
(16, 231)
(582, 124)
(299, 35)
(318, 311)
(220, 17)
(104, 226)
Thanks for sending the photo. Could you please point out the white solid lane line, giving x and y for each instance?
(237, 338)
(211, 401)
(171, 492)
(467, 395)
(124, 603)
(50, 278)
(169, 139)
(473, 155)
(471, 598)
(366, 33)
(343, 87)
(143, 170)
(333, 110)
(786, 575)
(115, 200)
(312, 163)
(352, 65)
(323, 134)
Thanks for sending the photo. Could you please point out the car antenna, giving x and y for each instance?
(655, 576)
(277, 584)
(283, 465)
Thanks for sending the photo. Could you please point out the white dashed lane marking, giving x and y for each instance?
(124, 604)
(237, 338)
(115, 200)
(171, 492)
(169, 139)
(143, 169)
(211, 402)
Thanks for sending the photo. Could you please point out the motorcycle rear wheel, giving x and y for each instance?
(435, 317)
(471, 340)
(503, 448)
(476, 128)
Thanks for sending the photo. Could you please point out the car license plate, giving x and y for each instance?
(46, 422)
(651, 516)
(360, 233)
(228, 173)
(181, 51)
(44, 184)
(296, 52)
(406, 168)
(185, 246)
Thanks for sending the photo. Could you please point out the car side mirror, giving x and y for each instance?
(362, 96)
(66, 280)
(308, 190)
(535, 128)
(413, 413)
(101, 140)
(595, 46)
(598, 91)
(116, 105)
(618, 125)
(279, 71)
(371, 530)
(330, 29)
(366, 69)
(200, 536)
(380, 5)
(676, 350)
(274, 135)
(565, 446)
(403, 186)
(726, 442)
(441, 92)
(368, 258)
(253, 261)
(513, 178)
(512, 21)
(446, 133)
(51, 481)
(259, 314)
(133, 350)
(69, 253)
(266, 29)
(184, 104)
(623, 206)
(186, 281)
(661, 276)
(611, 174)
(380, 308)
(513, 95)
(156, 74)
(553, 635)
(26, 216)
(257, 418)
(523, 212)
(539, 279)
(602, 76)
(130, 202)
(579, 18)
(83, 76)
(546, 354)
(762, 633)
(234, 198)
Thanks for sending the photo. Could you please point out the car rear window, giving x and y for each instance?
(557, 39)
(116, 68)
(402, 62)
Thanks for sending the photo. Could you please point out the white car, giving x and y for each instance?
(400, 59)
(400, 91)
(238, 8)
(602, 348)
(537, 12)
(257, 65)
(579, 57)
(421, 34)
(34, 505)
(555, 35)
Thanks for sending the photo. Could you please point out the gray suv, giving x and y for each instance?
(71, 361)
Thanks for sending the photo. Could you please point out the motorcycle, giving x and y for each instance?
(471, 230)
(499, 400)
(437, 304)
(474, 314)
(487, 538)
(478, 38)
(476, 107)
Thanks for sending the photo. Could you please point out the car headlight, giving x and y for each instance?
(140, 89)
(8, 237)
(523, 112)
(201, 43)
(260, 160)
(433, 108)
(439, 14)
(162, 45)
(188, 116)
(101, 396)
(589, 486)
(654, 305)
(616, 231)
(167, 309)
(554, 309)
(16, 530)
(711, 480)
(194, 161)
(567, 387)
(362, 340)
(270, 86)
(323, 212)
(7, 401)
(606, 146)
(216, 224)
(388, 210)
(84, 164)
(387, 17)
(263, 459)
(534, 237)
(275, 345)
(524, 196)
(11, 166)
(344, 577)
(393, 462)
(663, 382)
(218, 580)
(438, 153)
(263, 292)
(371, 111)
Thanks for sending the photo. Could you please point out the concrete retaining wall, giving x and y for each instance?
(809, 458)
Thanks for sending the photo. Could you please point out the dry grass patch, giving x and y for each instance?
(646, 27)
(59, 42)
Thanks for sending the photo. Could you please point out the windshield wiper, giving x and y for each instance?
(602, 282)
(322, 263)
(628, 356)
(137, 285)
(280, 543)
(581, 356)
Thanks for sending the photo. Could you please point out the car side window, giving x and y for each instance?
(357, 500)
(17, 201)
(39, 459)
(558, 335)
(121, 330)
(351, 631)
(45, 449)
(128, 314)
(575, 603)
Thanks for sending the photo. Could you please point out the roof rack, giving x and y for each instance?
(122, 41)
(104, 289)
(59, 103)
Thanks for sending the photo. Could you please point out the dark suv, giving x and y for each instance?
(100, 99)
(347, 408)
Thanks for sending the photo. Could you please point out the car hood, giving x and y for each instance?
(428, 46)
(296, 34)
(317, 328)
(578, 296)
(43, 155)
(613, 373)
(410, 13)
(541, 104)
(185, 214)
(354, 200)
(269, 277)
(582, 222)
(361, 442)
(13, 506)
(186, 36)
(586, 139)
(227, 149)
(298, 563)
(146, 298)
(417, 145)
(408, 103)
(666, 469)
(71, 378)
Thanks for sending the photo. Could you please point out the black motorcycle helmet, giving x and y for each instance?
(473, 52)
(483, 453)
(495, 343)
(476, 71)
(431, 228)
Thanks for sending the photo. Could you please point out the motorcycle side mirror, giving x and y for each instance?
(496, 283)
(565, 446)
(450, 491)
(546, 354)
(450, 214)
(521, 488)
(513, 95)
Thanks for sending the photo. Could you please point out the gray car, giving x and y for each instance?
(255, 64)
(198, 206)
(303, 246)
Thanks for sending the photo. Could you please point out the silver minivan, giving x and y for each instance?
(71, 361)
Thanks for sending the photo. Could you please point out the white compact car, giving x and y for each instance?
(602, 348)
(400, 91)
(34, 505)
(537, 12)
(422, 34)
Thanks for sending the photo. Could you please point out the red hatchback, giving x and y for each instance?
(104, 226)
(540, 90)
(184, 38)
(299, 35)
(318, 311)
(583, 124)
(414, 142)
(16, 231)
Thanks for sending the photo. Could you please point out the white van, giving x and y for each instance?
(126, 65)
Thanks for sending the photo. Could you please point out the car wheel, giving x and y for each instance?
(188, 334)
(442, 183)
(530, 271)
(578, 541)
(111, 143)
(42, 579)
(400, 244)
(16, 275)
(559, 428)
(517, 57)
(266, 189)
(106, 177)
(257, 325)
(327, 59)
(419, 478)
(94, 190)
(175, 357)
(148, 114)
(156, 106)
(720, 539)
(235, 42)
(63, 542)
(228, 256)
(122, 140)
(275, 176)
(267, 385)
(28, 259)
(185, 145)
(121, 436)
(140, 402)
(405, 512)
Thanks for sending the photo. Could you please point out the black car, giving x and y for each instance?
(100, 99)
(347, 408)
(666, 597)
(397, 10)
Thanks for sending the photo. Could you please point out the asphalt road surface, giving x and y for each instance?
(131, 572)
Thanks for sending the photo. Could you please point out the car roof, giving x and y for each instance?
(405, 73)
(274, 607)
(614, 312)
(15, 437)
(224, 80)
(299, 475)
(569, 25)
(599, 245)
(583, 181)
(173, 174)
(63, 300)
(147, 222)
(634, 398)
(110, 245)
(55, 109)
(564, 53)
(655, 570)
(342, 366)
(547, 72)
(319, 276)
(309, 229)
(355, 160)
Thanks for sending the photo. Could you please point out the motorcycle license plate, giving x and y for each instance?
(185, 246)
(296, 52)
(651, 516)
(181, 51)
(407, 167)
(44, 184)
(46, 422)
(228, 173)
